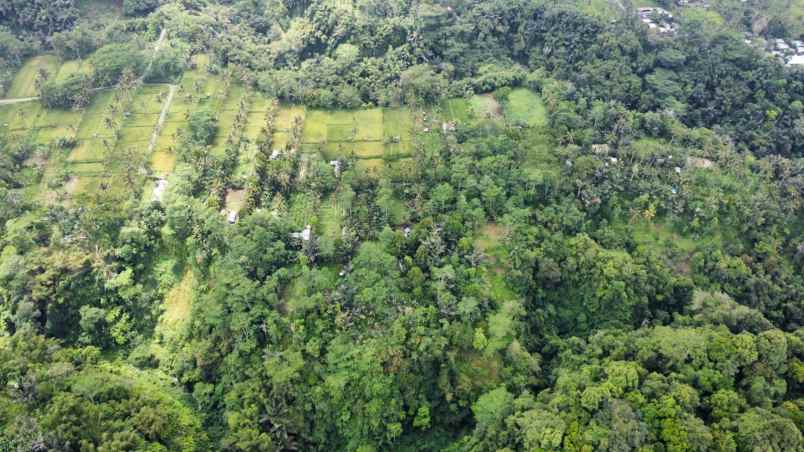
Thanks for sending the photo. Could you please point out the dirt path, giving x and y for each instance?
(157, 46)
(161, 121)
(18, 100)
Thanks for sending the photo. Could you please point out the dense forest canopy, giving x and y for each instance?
(413, 225)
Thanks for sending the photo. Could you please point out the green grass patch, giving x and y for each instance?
(163, 162)
(87, 169)
(397, 125)
(370, 165)
(485, 106)
(285, 115)
(281, 140)
(369, 124)
(23, 84)
(255, 123)
(302, 210)
(169, 135)
(59, 118)
(459, 110)
(369, 149)
(259, 103)
(73, 67)
(331, 218)
(232, 102)
(395, 151)
(661, 236)
(142, 120)
(525, 106)
(540, 160)
(361, 150)
(332, 151)
(178, 303)
(135, 135)
(339, 133)
(20, 117)
(87, 150)
(343, 126)
(315, 127)
(150, 99)
(48, 135)
(92, 121)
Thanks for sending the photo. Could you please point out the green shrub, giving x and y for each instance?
(110, 61)
(67, 93)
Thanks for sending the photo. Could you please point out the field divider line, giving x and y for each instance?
(161, 121)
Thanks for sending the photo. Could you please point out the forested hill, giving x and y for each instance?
(403, 225)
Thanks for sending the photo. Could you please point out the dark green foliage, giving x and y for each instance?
(72, 402)
(40, 16)
(167, 64)
(112, 60)
(139, 7)
(66, 93)
(607, 257)
(203, 126)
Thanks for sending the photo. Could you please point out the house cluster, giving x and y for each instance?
(789, 52)
(696, 3)
(658, 19)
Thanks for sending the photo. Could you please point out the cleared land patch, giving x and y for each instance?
(524, 105)
(24, 82)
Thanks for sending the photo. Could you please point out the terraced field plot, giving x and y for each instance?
(377, 138)
(372, 136)
(24, 82)
(96, 139)
(72, 67)
(19, 118)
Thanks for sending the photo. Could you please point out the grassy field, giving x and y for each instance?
(377, 138)
(23, 84)
(525, 106)
(19, 118)
(71, 67)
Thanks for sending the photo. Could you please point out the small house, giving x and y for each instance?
(232, 216)
(304, 235)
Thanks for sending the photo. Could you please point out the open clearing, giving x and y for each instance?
(376, 138)
(24, 82)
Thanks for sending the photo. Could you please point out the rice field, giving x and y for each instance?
(24, 84)
(376, 138)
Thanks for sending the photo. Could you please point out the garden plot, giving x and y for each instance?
(485, 107)
(254, 124)
(73, 67)
(92, 123)
(150, 99)
(397, 132)
(340, 134)
(90, 150)
(24, 84)
(20, 118)
(457, 110)
(331, 217)
(525, 106)
(59, 118)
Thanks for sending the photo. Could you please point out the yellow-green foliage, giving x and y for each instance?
(24, 82)
(92, 121)
(71, 67)
(524, 105)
